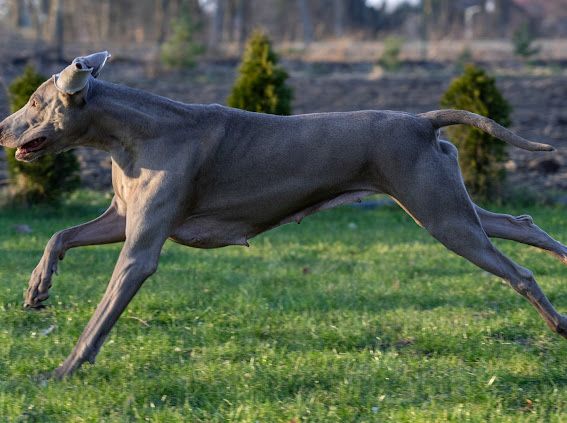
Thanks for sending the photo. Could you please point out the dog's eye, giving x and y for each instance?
(33, 103)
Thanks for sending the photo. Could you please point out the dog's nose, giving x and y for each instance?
(3, 133)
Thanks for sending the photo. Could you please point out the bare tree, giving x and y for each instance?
(56, 29)
(105, 21)
(305, 14)
(18, 13)
(338, 21)
(242, 12)
(38, 16)
(161, 23)
(217, 27)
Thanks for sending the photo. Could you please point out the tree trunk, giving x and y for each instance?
(105, 20)
(57, 30)
(503, 11)
(38, 20)
(241, 13)
(338, 24)
(426, 11)
(215, 36)
(18, 13)
(306, 21)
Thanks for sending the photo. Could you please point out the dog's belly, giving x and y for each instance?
(211, 232)
(216, 229)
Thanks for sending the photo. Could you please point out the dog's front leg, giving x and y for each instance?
(147, 227)
(106, 229)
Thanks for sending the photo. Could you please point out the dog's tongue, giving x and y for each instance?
(30, 147)
(20, 153)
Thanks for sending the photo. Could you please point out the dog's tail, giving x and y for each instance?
(441, 118)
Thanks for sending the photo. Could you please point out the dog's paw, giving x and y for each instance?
(41, 379)
(39, 284)
(561, 327)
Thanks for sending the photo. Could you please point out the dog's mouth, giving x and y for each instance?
(26, 150)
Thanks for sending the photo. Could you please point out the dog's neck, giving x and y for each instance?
(124, 117)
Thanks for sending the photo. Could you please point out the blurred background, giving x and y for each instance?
(339, 54)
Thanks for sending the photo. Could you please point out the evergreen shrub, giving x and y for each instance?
(49, 178)
(481, 156)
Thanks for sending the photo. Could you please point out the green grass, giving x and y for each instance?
(354, 315)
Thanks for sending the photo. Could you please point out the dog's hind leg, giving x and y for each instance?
(521, 229)
(516, 228)
(436, 196)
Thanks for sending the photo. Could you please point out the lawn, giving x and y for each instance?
(354, 315)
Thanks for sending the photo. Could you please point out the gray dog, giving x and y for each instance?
(208, 176)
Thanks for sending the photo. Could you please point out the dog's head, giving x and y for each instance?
(56, 116)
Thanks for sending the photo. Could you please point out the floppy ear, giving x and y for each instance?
(75, 76)
(95, 61)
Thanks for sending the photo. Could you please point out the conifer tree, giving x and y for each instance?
(48, 178)
(481, 156)
(261, 84)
